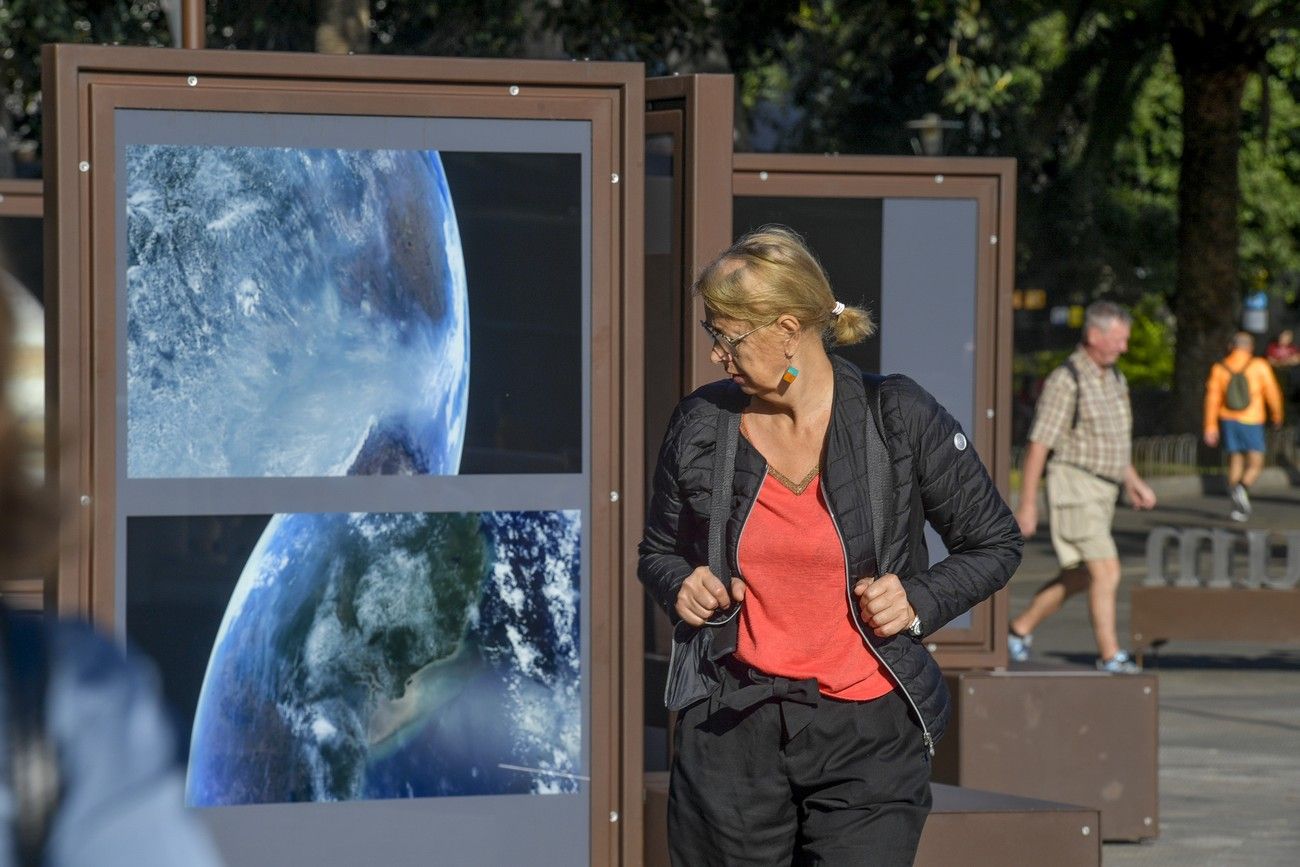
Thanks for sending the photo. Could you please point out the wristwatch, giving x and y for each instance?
(914, 628)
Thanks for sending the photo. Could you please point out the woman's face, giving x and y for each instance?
(752, 354)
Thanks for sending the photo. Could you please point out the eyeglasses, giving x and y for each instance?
(728, 344)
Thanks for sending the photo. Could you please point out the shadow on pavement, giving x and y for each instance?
(1273, 660)
(1166, 707)
(1272, 498)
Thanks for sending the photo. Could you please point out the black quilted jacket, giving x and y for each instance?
(880, 506)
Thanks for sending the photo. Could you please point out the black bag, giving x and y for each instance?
(692, 667)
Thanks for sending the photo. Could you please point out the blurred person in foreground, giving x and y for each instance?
(1240, 393)
(87, 758)
(1083, 419)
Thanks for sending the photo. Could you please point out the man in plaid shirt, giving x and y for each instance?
(1083, 419)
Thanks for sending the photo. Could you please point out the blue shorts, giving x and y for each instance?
(1237, 437)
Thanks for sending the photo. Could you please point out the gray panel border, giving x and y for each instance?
(931, 246)
(187, 497)
(433, 829)
(555, 821)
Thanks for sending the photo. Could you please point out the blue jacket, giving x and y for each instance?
(122, 800)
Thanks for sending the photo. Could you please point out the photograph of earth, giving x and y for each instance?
(299, 312)
(332, 657)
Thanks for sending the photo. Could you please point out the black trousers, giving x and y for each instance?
(766, 772)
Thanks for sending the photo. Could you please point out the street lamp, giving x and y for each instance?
(928, 140)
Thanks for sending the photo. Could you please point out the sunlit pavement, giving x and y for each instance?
(1229, 713)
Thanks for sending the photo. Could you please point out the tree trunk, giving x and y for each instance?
(344, 27)
(1207, 284)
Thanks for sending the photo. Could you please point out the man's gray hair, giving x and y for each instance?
(1102, 314)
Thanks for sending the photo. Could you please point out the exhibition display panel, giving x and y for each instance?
(925, 244)
(348, 384)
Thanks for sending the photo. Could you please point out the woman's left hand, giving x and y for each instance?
(883, 603)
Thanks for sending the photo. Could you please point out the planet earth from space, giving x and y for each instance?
(304, 313)
(293, 313)
(396, 655)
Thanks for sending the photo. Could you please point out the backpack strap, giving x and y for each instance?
(724, 474)
(879, 467)
(33, 763)
(1068, 364)
(1074, 374)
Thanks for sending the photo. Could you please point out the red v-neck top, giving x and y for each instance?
(796, 621)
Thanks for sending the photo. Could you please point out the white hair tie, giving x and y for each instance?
(838, 308)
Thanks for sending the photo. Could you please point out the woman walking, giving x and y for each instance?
(808, 705)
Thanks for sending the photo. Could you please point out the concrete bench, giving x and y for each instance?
(1181, 600)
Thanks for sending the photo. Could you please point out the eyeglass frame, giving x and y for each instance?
(729, 344)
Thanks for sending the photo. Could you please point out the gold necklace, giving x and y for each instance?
(785, 481)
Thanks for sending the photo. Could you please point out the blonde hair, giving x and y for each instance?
(770, 272)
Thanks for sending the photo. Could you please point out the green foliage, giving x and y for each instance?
(449, 28)
(1085, 95)
(266, 25)
(26, 25)
(1037, 365)
(1270, 176)
(841, 76)
(1149, 361)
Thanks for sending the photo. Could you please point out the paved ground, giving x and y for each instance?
(1229, 714)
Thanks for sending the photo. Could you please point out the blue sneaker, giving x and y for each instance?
(1120, 663)
(1018, 646)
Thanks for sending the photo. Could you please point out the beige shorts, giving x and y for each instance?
(1081, 509)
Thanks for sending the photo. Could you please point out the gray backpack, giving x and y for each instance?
(1237, 396)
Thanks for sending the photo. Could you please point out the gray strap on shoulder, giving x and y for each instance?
(880, 471)
(724, 472)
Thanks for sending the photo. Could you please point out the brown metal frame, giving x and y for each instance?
(83, 87)
(689, 108)
(22, 199)
(704, 109)
(991, 183)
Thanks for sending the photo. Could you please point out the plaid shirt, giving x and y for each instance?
(1102, 443)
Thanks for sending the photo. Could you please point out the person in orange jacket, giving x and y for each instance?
(1240, 393)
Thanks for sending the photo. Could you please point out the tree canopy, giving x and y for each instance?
(1158, 141)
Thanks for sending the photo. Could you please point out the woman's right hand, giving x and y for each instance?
(702, 594)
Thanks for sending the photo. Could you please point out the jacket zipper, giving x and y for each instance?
(672, 650)
(857, 622)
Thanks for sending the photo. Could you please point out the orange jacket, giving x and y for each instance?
(1263, 390)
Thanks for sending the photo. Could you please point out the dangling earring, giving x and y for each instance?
(789, 375)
